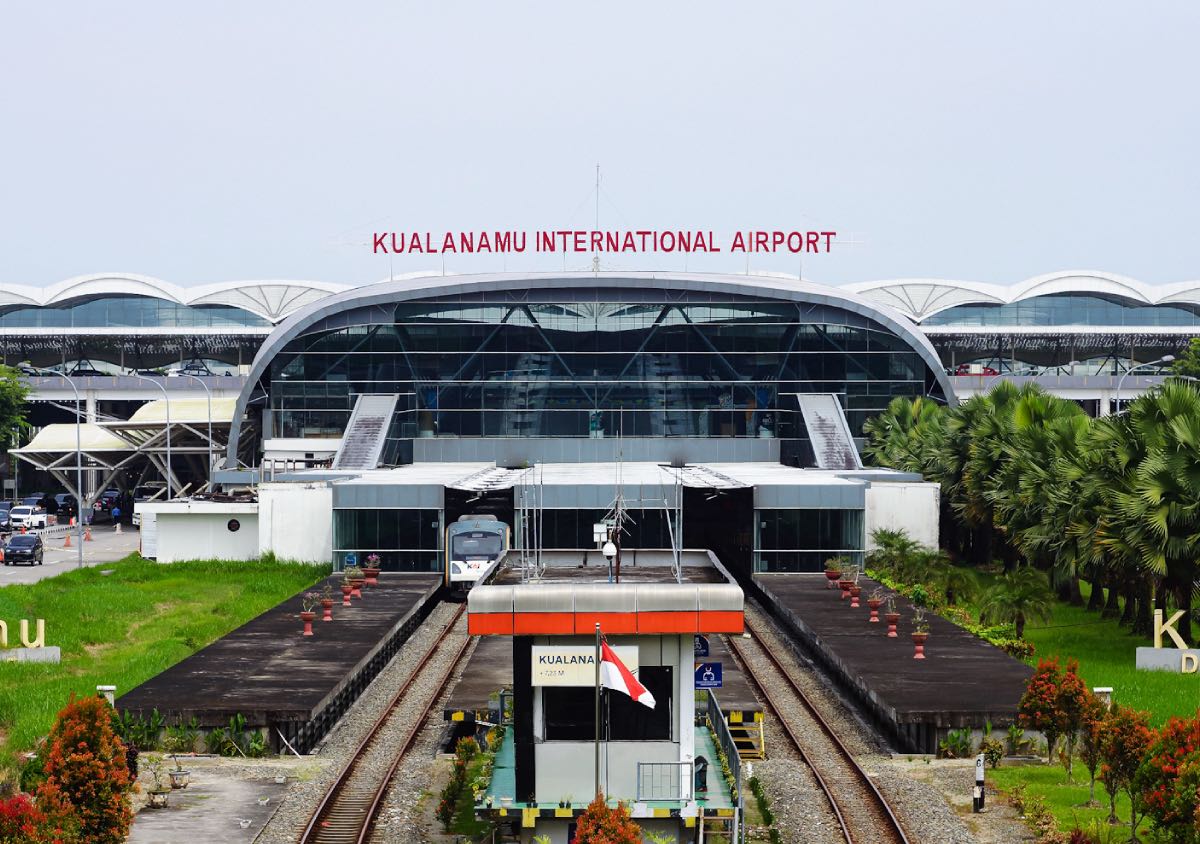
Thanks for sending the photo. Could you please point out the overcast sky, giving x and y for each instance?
(205, 142)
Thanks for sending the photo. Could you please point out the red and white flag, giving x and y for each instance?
(614, 675)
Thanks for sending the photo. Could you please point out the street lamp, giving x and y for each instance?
(200, 381)
(1125, 374)
(167, 405)
(27, 368)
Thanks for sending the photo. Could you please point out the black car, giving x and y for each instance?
(24, 548)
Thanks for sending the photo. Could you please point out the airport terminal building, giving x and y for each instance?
(723, 412)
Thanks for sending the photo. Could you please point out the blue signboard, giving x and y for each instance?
(708, 675)
(701, 646)
(351, 559)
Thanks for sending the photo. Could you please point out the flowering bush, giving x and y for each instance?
(1169, 778)
(603, 824)
(48, 819)
(1074, 700)
(1038, 709)
(1126, 736)
(86, 762)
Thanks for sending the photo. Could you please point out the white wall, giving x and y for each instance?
(295, 521)
(183, 535)
(911, 507)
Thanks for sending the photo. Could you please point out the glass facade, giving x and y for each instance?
(803, 539)
(1068, 309)
(127, 311)
(405, 540)
(648, 364)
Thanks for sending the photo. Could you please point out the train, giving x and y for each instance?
(472, 544)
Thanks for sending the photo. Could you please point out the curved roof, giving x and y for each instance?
(271, 300)
(424, 287)
(920, 298)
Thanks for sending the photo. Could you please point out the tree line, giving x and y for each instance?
(1029, 479)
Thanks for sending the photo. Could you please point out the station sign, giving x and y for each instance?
(351, 559)
(1180, 659)
(574, 665)
(701, 648)
(708, 675)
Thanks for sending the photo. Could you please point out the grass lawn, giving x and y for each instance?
(1105, 651)
(1068, 802)
(123, 628)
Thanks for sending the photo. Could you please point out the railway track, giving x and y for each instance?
(861, 810)
(349, 808)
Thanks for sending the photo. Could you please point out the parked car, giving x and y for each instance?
(26, 516)
(24, 548)
(33, 500)
(5, 506)
(156, 490)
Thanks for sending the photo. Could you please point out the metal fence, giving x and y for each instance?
(725, 739)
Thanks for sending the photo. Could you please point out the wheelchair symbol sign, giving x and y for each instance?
(708, 675)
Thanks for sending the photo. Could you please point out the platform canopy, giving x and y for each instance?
(53, 450)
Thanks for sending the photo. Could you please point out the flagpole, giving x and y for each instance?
(597, 707)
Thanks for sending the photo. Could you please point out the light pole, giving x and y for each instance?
(200, 381)
(1125, 374)
(167, 405)
(28, 367)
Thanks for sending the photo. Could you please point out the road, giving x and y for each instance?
(105, 547)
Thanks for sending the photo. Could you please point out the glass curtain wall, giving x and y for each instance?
(405, 540)
(803, 539)
(1068, 309)
(127, 312)
(476, 368)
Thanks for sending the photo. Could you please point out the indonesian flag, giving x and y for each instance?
(614, 675)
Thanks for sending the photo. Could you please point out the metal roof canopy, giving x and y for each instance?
(53, 450)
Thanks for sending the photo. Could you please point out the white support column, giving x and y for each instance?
(89, 414)
(1105, 405)
(685, 694)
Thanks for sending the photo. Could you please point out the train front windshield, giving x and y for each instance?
(476, 545)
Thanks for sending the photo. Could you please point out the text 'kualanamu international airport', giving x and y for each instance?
(569, 456)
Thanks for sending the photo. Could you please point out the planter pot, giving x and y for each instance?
(855, 591)
(892, 618)
(327, 609)
(874, 604)
(158, 799)
(845, 585)
(180, 778)
(307, 618)
(831, 577)
(372, 575)
(347, 591)
(356, 588)
(281, 779)
(919, 641)
(505, 802)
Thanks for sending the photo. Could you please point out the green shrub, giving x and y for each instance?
(956, 745)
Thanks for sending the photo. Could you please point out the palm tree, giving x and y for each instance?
(1018, 597)
(894, 551)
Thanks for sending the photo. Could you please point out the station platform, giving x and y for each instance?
(475, 697)
(963, 682)
(282, 681)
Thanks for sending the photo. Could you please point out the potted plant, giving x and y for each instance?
(160, 791)
(371, 570)
(347, 591)
(920, 632)
(891, 616)
(875, 602)
(326, 603)
(833, 571)
(356, 577)
(180, 776)
(855, 591)
(308, 606)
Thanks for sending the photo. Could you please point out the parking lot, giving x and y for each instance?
(105, 547)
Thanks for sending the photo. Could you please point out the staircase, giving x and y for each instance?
(748, 736)
(362, 444)
(832, 445)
